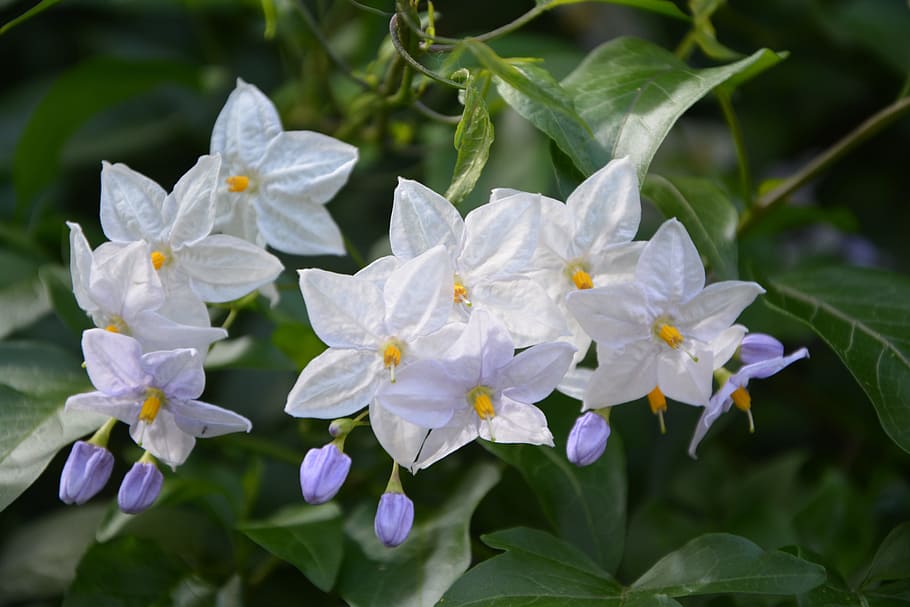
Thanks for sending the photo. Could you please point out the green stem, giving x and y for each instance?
(103, 435)
(396, 42)
(231, 317)
(434, 115)
(820, 163)
(745, 179)
(450, 43)
(394, 484)
(370, 9)
(335, 57)
(686, 46)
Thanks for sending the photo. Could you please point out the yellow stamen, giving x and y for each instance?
(670, 334)
(741, 399)
(461, 294)
(480, 399)
(151, 405)
(158, 259)
(391, 358)
(112, 329)
(582, 280)
(658, 403)
(238, 183)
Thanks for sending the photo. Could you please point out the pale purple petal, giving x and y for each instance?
(113, 362)
(757, 347)
(424, 394)
(177, 373)
(124, 408)
(163, 438)
(533, 374)
(203, 420)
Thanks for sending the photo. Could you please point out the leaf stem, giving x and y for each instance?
(778, 195)
(745, 179)
(434, 115)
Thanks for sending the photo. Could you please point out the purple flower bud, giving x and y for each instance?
(758, 347)
(85, 472)
(140, 487)
(588, 439)
(322, 473)
(341, 427)
(394, 518)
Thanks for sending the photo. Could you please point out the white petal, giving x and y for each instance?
(124, 408)
(424, 394)
(724, 345)
(605, 207)
(345, 311)
(533, 374)
(422, 219)
(379, 270)
(81, 267)
(500, 237)
(237, 217)
(189, 212)
(436, 344)
(523, 306)
(124, 282)
(621, 378)
(670, 266)
(614, 316)
(418, 295)
(178, 373)
(482, 349)
(163, 438)
(203, 420)
(113, 362)
(246, 124)
(615, 264)
(401, 439)
(302, 166)
(303, 229)
(224, 268)
(181, 303)
(460, 431)
(336, 383)
(575, 382)
(131, 204)
(156, 332)
(516, 422)
(685, 379)
(715, 308)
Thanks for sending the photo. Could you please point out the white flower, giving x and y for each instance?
(191, 264)
(274, 184)
(489, 249)
(371, 328)
(119, 288)
(479, 388)
(154, 393)
(656, 331)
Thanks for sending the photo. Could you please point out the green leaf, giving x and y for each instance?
(630, 92)
(661, 7)
(864, 316)
(473, 138)
(308, 537)
(533, 93)
(75, 97)
(892, 560)
(35, 380)
(537, 569)
(707, 213)
(416, 573)
(58, 284)
(585, 506)
(721, 563)
(23, 297)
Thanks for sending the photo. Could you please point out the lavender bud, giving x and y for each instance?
(758, 347)
(341, 427)
(85, 472)
(394, 518)
(322, 473)
(588, 439)
(140, 488)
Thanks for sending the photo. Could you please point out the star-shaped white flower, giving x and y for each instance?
(656, 331)
(372, 328)
(478, 388)
(155, 393)
(274, 184)
(119, 288)
(489, 250)
(193, 265)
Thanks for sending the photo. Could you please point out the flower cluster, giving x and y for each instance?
(170, 254)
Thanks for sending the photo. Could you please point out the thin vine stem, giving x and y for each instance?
(745, 178)
(403, 52)
(333, 56)
(449, 44)
(434, 115)
(370, 9)
(820, 163)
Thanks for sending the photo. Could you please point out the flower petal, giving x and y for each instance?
(305, 229)
(303, 166)
(523, 306)
(606, 207)
(418, 295)
(670, 267)
(245, 125)
(724, 345)
(81, 267)
(482, 349)
(124, 281)
(575, 382)
(345, 311)
(336, 383)
(189, 212)
(621, 378)
(131, 204)
(422, 219)
(124, 408)
(516, 422)
(614, 316)
(178, 373)
(686, 376)
(156, 332)
(113, 362)
(203, 420)
(440, 442)
(500, 236)
(715, 308)
(424, 393)
(767, 368)
(163, 438)
(401, 439)
(223, 268)
(533, 374)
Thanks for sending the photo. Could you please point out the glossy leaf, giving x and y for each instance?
(308, 537)
(416, 573)
(721, 563)
(473, 138)
(707, 213)
(35, 380)
(864, 316)
(630, 92)
(585, 506)
(23, 297)
(892, 560)
(662, 7)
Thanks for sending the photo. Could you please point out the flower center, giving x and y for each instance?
(670, 335)
(116, 325)
(479, 398)
(151, 405)
(391, 356)
(238, 183)
(582, 279)
(158, 259)
(460, 294)
(658, 403)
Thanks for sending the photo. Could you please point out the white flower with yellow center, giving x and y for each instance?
(155, 393)
(372, 328)
(478, 388)
(489, 250)
(193, 265)
(655, 332)
(274, 184)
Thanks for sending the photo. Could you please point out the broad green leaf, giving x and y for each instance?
(35, 380)
(416, 573)
(308, 537)
(534, 94)
(58, 284)
(662, 7)
(76, 96)
(23, 297)
(537, 569)
(707, 213)
(721, 563)
(864, 316)
(586, 506)
(892, 561)
(473, 138)
(630, 92)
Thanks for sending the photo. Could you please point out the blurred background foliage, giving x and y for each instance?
(141, 82)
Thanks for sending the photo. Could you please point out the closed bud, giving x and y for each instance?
(85, 472)
(394, 518)
(140, 487)
(758, 347)
(341, 427)
(322, 473)
(588, 439)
